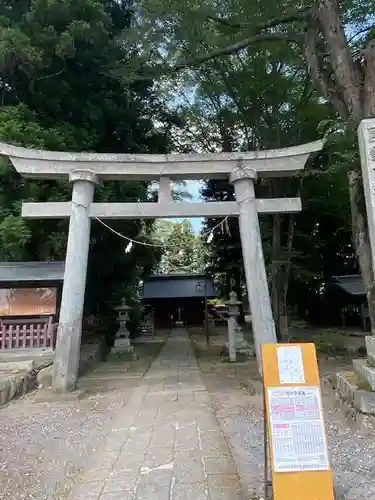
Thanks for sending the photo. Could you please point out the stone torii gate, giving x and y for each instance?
(85, 170)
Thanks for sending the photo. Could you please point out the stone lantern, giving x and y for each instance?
(236, 340)
(122, 341)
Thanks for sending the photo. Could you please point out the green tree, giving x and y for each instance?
(56, 94)
(183, 250)
(331, 42)
(231, 112)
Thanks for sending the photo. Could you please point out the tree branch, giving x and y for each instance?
(147, 73)
(361, 32)
(298, 15)
(46, 77)
(226, 22)
(317, 75)
(232, 49)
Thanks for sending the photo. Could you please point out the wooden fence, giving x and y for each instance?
(27, 333)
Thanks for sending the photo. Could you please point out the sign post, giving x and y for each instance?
(295, 427)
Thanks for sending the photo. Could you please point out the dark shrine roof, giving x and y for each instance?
(172, 276)
(24, 272)
(351, 284)
(178, 285)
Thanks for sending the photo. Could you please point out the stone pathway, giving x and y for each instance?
(165, 442)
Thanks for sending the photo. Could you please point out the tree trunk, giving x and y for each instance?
(284, 328)
(369, 81)
(275, 272)
(238, 289)
(346, 89)
(361, 240)
(347, 74)
(228, 285)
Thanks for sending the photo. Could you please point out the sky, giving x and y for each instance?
(193, 187)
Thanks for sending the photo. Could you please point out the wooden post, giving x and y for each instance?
(206, 329)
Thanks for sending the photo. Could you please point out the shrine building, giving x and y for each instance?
(178, 299)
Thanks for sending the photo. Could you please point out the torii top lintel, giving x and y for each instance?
(36, 164)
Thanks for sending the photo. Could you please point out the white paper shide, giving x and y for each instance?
(290, 365)
(297, 429)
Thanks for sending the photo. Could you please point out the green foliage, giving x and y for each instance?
(260, 98)
(56, 94)
(14, 235)
(67, 72)
(135, 321)
(279, 117)
(173, 32)
(183, 250)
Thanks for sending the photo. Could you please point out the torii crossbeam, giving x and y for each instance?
(85, 170)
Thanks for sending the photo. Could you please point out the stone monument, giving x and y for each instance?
(148, 322)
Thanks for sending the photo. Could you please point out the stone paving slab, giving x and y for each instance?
(165, 442)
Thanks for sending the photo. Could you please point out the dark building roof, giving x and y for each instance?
(172, 276)
(165, 286)
(352, 284)
(23, 272)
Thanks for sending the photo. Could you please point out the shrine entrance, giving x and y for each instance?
(179, 316)
(85, 170)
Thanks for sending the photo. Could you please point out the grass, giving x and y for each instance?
(361, 383)
(141, 350)
(212, 363)
(329, 342)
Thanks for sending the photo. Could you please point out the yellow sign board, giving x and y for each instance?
(295, 427)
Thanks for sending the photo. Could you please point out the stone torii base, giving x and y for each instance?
(84, 170)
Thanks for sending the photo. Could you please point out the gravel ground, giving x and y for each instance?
(42, 445)
(236, 396)
(45, 443)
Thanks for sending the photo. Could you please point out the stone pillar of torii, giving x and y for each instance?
(85, 170)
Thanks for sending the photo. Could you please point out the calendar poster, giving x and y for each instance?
(297, 429)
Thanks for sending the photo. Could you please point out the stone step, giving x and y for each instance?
(347, 388)
(101, 384)
(107, 367)
(92, 375)
(368, 372)
(17, 366)
(38, 355)
(370, 348)
(101, 377)
(365, 371)
(370, 344)
(357, 365)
